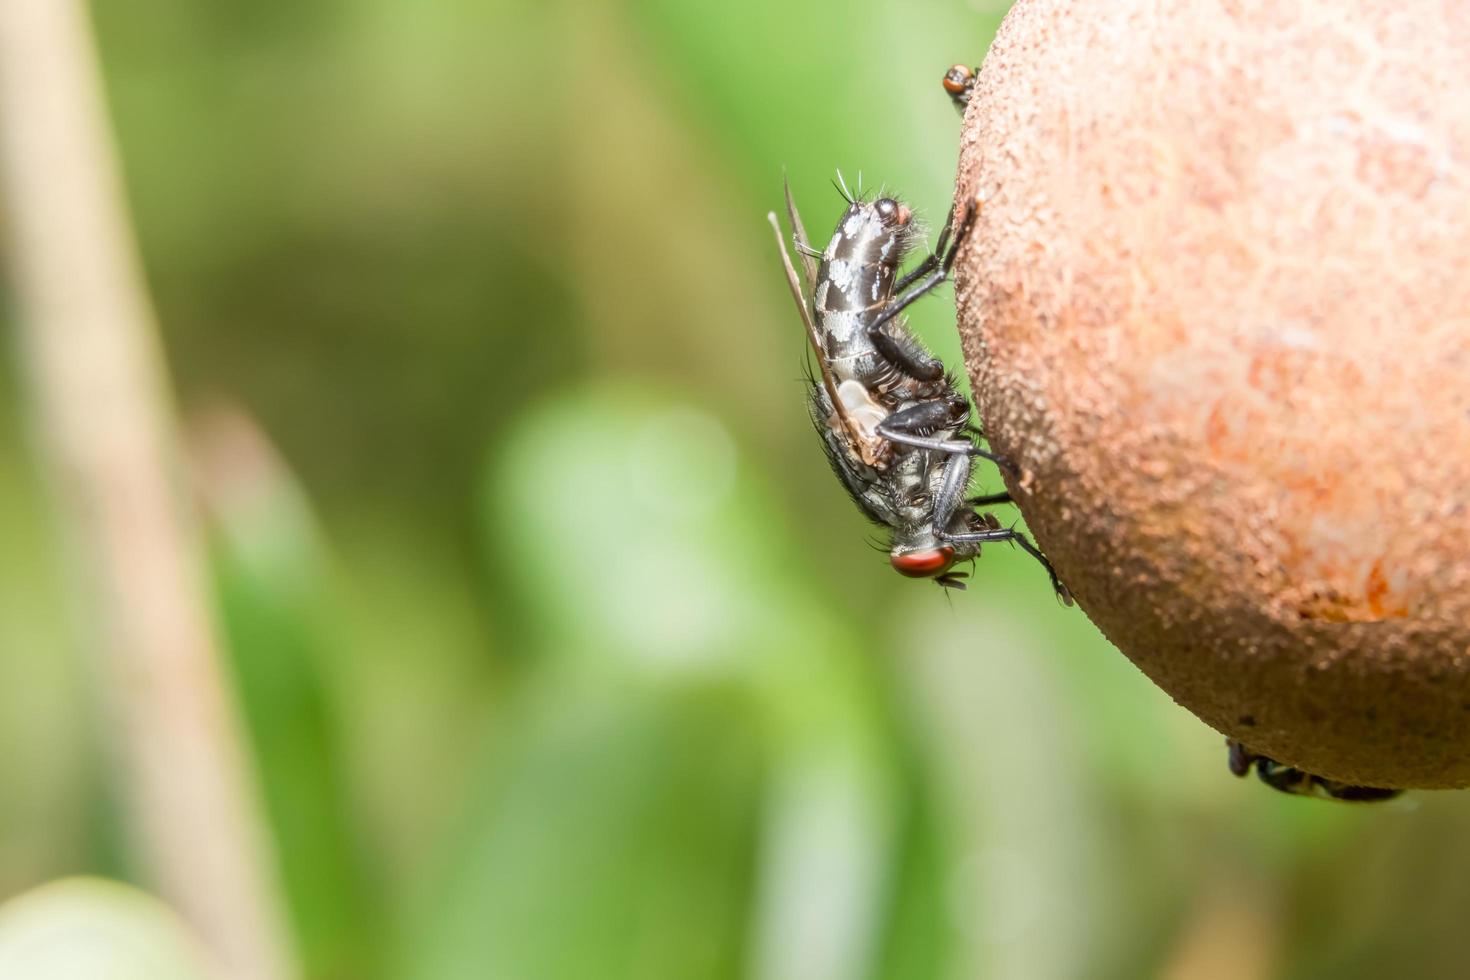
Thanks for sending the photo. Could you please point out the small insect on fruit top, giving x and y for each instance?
(959, 82)
(893, 423)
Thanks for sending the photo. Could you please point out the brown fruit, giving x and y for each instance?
(1217, 307)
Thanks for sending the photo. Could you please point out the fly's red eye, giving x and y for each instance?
(924, 564)
(954, 80)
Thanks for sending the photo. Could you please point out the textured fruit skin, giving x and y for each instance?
(1217, 306)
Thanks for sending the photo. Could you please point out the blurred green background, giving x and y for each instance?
(562, 652)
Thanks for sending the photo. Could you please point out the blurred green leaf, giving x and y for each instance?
(687, 691)
(268, 567)
(611, 837)
(45, 736)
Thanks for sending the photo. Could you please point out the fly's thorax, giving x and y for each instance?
(919, 549)
(911, 479)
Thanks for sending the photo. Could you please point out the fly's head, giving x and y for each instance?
(920, 553)
(925, 556)
(937, 555)
(959, 82)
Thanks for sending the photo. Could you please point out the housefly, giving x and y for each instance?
(892, 421)
(959, 82)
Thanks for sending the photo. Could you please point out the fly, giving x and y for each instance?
(959, 82)
(1288, 779)
(892, 421)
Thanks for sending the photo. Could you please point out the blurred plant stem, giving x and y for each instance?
(101, 401)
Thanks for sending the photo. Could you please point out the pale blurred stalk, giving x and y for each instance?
(102, 404)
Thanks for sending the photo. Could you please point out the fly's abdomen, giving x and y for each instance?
(861, 261)
(850, 286)
(855, 284)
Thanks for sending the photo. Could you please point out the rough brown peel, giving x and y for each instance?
(1218, 308)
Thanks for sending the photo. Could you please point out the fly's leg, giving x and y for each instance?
(933, 279)
(918, 421)
(946, 502)
(930, 261)
(1013, 536)
(927, 265)
(924, 418)
(906, 355)
(913, 426)
(901, 352)
(984, 500)
(954, 447)
(951, 492)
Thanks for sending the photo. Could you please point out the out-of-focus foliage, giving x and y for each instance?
(562, 653)
(81, 927)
